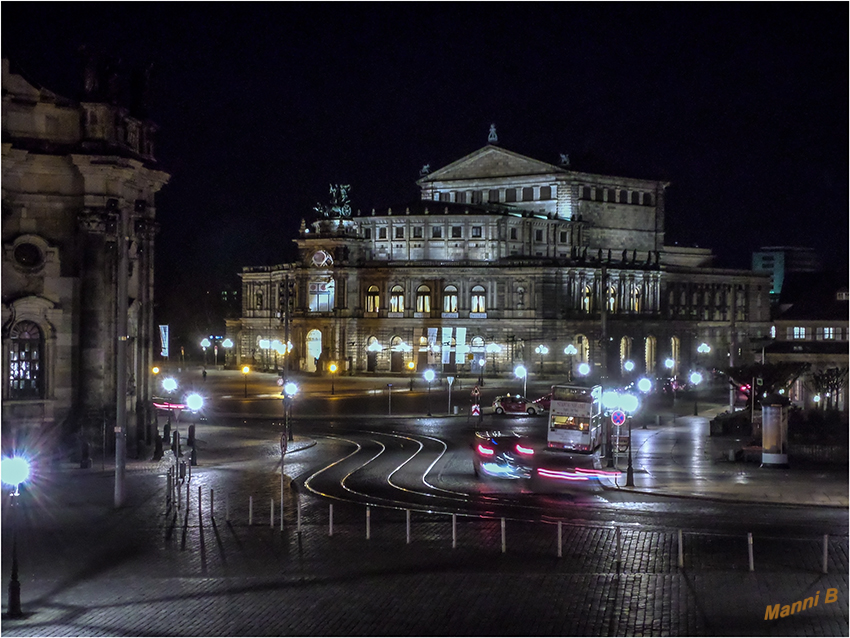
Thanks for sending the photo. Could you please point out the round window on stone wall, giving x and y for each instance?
(28, 255)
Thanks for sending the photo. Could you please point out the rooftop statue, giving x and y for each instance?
(425, 170)
(492, 138)
(340, 206)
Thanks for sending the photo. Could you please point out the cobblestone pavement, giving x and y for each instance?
(150, 569)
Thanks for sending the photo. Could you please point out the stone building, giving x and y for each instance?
(70, 169)
(504, 259)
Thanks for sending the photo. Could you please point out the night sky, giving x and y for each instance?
(742, 108)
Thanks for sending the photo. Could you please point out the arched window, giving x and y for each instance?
(583, 347)
(423, 299)
(612, 299)
(373, 299)
(587, 300)
(649, 354)
(635, 298)
(478, 299)
(26, 347)
(397, 299)
(450, 299)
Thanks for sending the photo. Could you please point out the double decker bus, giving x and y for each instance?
(575, 418)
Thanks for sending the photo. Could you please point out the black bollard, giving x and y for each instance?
(190, 440)
(157, 449)
(166, 431)
(193, 458)
(175, 443)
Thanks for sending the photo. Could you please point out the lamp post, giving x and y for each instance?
(429, 377)
(227, 344)
(695, 379)
(481, 362)
(290, 389)
(245, 371)
(411, 366)
(494, 349)
(541, 350)
(521, 373)
(570, 351)
(205, 343)
(332, 368)
(14, 471)
(629, 404)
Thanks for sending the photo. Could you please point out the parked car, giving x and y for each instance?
(515, 404)
(502, 454)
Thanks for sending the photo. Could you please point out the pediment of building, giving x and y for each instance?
(490, 161)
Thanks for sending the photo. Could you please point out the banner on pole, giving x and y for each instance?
(163, 335)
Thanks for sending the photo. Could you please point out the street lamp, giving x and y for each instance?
(541, 350)
(155, 370)
(227, 344)
(583, 369)
(429, 377)
(695, 379)
(245, 371)
(14, 471)
(290, 389)
(494, 349)
(644, 385)
(522, 373)
(570, 351)
(481, 363)
(629, 366)
(411, 366)
(332, 368)
(205, 343)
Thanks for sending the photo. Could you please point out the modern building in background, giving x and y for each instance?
(503, 260)
(70, 170)
(779, 260)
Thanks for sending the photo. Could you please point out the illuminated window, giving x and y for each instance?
(423, 299)
(587, 300)
(798, 332)
(476, 231)
(612, 299)
(478, 302)
(25, 355)
(450, 299)
(829, 333)
(321, 296)
(635, 299)
(397, 299)
(373, 299)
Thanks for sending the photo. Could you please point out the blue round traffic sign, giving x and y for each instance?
(618, 417)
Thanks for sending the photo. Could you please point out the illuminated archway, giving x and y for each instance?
(314, 350)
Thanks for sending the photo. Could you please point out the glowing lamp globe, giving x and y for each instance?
(194, 402)
(14, 470)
